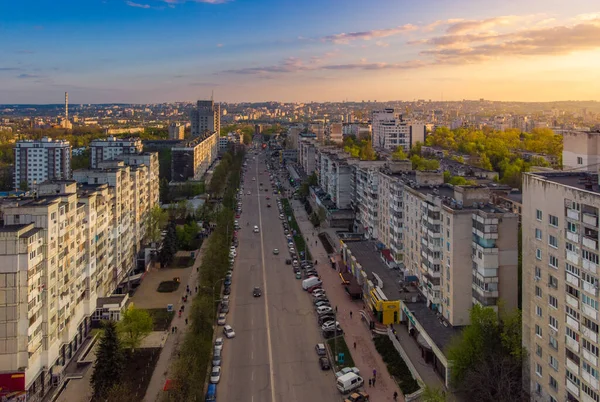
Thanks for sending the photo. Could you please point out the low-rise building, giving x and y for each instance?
(191, 159)
(112, 147)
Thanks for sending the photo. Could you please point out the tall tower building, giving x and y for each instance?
(206, 117)
(65, 123)
(39, 160)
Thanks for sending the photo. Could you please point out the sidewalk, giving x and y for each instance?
(365, 356)
(160, 375)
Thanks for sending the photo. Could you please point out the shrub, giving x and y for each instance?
(396, 365)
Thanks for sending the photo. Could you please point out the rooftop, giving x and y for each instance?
(429, 320)
(13, 228)
(367, 255)
(580, 180)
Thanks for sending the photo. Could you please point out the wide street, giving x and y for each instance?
(272, 357)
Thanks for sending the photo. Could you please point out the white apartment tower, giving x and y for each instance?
(206, 117)
(561, 302)
(176, 131)
(39, 160)
(112, 147)
(390, 131)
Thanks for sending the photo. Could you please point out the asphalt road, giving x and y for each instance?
(272, 358)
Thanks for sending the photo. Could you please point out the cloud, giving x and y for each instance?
(172, 2)
(381, 43)
(345, 38)
(475, 25)
(544, 41)
(24, 52)
(219, 45)
(10, 69)
(27, 76)
(138, 5)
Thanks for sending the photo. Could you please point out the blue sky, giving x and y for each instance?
(149, 51)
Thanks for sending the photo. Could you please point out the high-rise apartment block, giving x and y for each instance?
(61, 251)
(176, 131)
(40, 160)
(191, 159)
(333, 133)
(581, 150)
(206, 117)
(112, 147)
(390, 131)
(561, 266)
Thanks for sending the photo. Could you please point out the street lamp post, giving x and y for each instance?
(213, 289)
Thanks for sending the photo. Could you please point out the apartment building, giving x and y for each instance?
(176, 131)
(335, 176)
(560, 285)
(461, 249)
(365, 196)
(581, 150)
(191, 159)
(206, 117)
(111, 148)
(390, 131)
(39, 160)
(306, 155)
(150, 161)
(333, 133)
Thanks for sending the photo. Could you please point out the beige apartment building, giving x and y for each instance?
(560, 286)
(581, 150)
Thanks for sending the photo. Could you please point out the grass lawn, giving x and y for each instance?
(167, 286)
(162, 318)
(396, 365)
(139, 367)
(339, 344)
(182, 262)
(298, 239)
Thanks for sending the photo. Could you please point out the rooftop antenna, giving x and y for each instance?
(66, 106)
(212, 95)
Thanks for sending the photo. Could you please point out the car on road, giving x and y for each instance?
(360, 396)
(320, 348)
(227, 282)
(219, 343)
(268, 198)
(298, 275)
(216, 360)
(256, 230)
(256, 292)
(215, 375)
(347, 370)
(268, 205)
(324, 363)
(225, 299)
(249, 193)
(254, 179)
(276, 251)
(222, 319)
(314, 287)
(324, 310)
(228, 331)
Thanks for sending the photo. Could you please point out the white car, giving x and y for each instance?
(328, 326)
(225, 299)
(318, 292)
(292, 250)
(347, 370)
(281, 216)
(228, 331)
(322, 303)
(222, 319)
(256, 230)
(254, 178)
(324, 310)
(218, 343)
(248, 193)
(215, 375)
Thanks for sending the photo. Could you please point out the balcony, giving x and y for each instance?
(590, 243)
(572, 344)
(589, 357)
(588, 333)
(573, 388)
(590, 266)
(574, 237)
(572, 323)
(573, 214)
(479, 296)
(573, 257)
(590, 379)
(590, 219)
(572, 301)
(571, 365)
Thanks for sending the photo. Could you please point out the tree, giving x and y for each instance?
(484, 162)
(399, 154)
(120, 393)
(169, 247)
(367, 153)
(110, 362)
(487, 357)
(134, 326)
(156, 222)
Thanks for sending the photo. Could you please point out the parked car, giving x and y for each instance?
(324, 363)
(324, 310)
(222, 319)
(228, 331)
(217, 357)
(320, 348)
(276, 251)
(359, 396)
(347, 370)
(325, 318)
(256, 292)
(219, 343)
(322, 303)
(330, 326)
(215, 375)
(332, 333)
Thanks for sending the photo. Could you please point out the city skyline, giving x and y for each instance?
(158, 51)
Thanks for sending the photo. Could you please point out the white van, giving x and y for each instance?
(349, 382)
(310, 282)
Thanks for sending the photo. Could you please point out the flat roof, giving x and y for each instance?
(440, 334)
(367, 255)
(581, 180)
(13, 228)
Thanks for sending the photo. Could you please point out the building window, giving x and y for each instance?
(553, 342)
(538, 350)
(538, 254)
(553, 220)
(538, 291)
(572, 227)
(579, 160)
(538, 272)
(553, 301)
(552, 241)
(538, 214)
(553, 322)
(552, 261)
(538, 311)
(538, 369)
(553, 384)
(538, 330)
(553, 363)
(538, 234)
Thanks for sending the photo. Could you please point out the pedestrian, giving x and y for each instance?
(351, 314)
(186, 321)
(172, 330)
(354, 345)
(373, 382)
(336, 309)
(395, 395)
(374, 373)
(369, 382)
(196, 289)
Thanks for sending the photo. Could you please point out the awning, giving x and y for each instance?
(387, 255)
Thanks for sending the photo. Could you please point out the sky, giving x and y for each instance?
(153, 51)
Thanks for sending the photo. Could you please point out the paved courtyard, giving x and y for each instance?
(146, 296)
